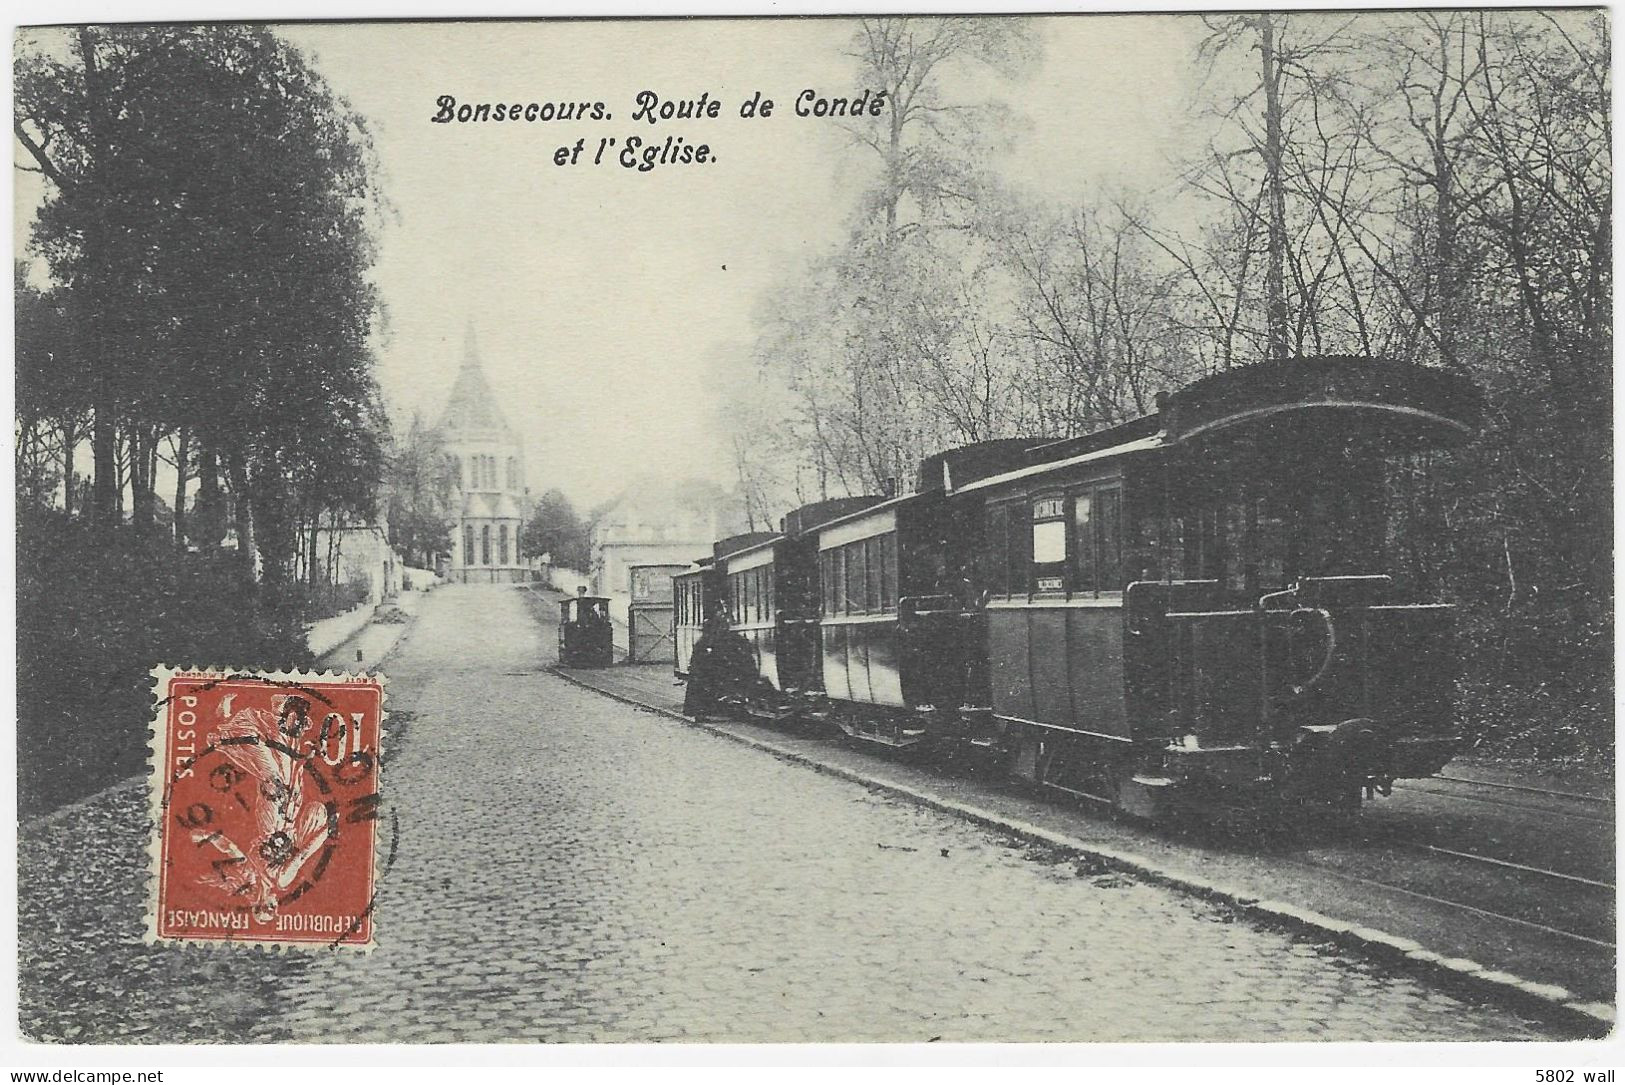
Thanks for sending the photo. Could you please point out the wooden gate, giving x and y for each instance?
(649, 637)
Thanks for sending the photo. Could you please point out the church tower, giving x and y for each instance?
(488, 468)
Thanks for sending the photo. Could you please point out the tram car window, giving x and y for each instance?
(694, 591)
(750, 575)
(993, 567)
(1097, 532)
(1017, 554)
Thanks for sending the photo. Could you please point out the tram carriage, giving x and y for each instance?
(1190, 608)
(768, 584)
(898, 644)
(754, 594)
(700, 590)
(694, 592)
(1197, 604)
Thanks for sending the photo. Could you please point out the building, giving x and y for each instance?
(488, 468)
(359, 555)
(655, 522)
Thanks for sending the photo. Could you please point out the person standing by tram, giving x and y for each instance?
(723, 669)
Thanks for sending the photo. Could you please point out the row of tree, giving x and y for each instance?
(199, 294)
(1428, 186)
(194, 318)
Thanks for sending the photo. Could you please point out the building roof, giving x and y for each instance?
(478, 505)
(472, 408)
(656, 509)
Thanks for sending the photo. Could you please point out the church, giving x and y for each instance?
(488, 470)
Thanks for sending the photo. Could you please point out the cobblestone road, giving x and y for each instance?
(569, 869)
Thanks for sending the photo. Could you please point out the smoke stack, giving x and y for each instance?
(888, 487)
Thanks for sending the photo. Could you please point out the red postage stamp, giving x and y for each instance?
(265, 801)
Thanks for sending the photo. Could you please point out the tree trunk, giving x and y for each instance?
(275, 532)
(143, 446)
(121, 475)
(1444, 250)
(242, 511)
(70, 442)
(210, 516)
(314, 539)
(153, 440)
(105, 494)
(894, 157)
(182, 450)
(1274, 281)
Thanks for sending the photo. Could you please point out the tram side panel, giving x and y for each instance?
(857, 561)
(752, 607)
(1054, 618)
(693, 592)
(796, 568)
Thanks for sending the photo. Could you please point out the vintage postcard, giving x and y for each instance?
(1087, 528)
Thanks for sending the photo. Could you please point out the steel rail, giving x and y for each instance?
(1575, 795)
(1447, 902)
(1509, 864)
(1502, 803)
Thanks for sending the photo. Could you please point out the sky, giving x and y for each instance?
(604, 299)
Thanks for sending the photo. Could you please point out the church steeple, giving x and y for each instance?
(472, 407)
(488, 463)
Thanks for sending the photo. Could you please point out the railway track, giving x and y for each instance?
(1570, 804)
(1506, 864)
(1503, 897)
(1603, 800)
(1489, 887)
(1458, 905)
(1534, 893)
(1556, 903)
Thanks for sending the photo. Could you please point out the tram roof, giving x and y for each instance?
(1139, 444)
(867, 510)
(751, 547)
(1400, 403)
(735, 544)
(1403, 404)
